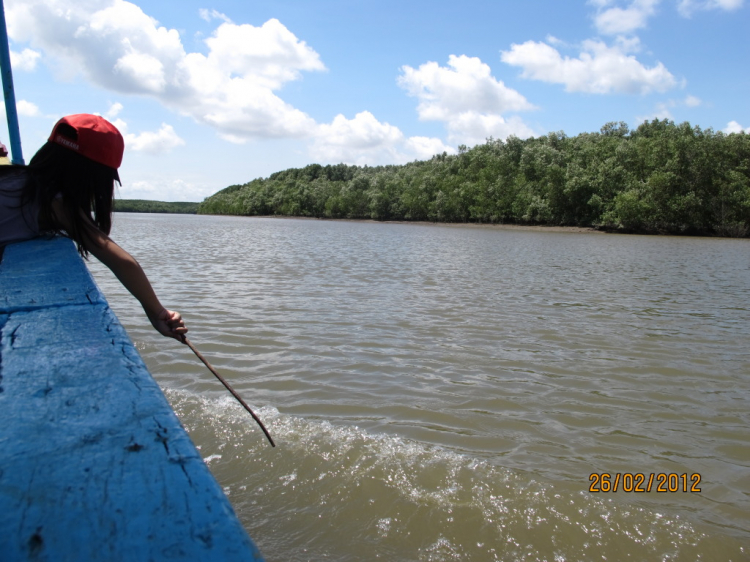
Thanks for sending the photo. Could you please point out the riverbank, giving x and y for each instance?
(659, 178)
(148, 206)
(737, 233)
(488, 226)
(501, 226)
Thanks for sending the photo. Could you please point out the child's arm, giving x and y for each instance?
(131, 275)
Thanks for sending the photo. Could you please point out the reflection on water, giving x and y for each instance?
(444, 393)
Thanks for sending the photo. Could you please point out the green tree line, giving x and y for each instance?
(658, 178)
(145, 206)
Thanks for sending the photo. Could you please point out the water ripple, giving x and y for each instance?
(527, 357)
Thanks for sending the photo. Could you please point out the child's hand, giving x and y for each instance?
(169, 323)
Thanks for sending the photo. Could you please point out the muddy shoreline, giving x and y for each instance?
(491, 226)
(526, 227)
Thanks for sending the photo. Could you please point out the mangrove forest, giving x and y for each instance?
(146, 206)
(658, 178)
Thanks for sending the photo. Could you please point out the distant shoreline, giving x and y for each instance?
(148, 206)
(500, 226)
(660, 178)
(491, 226)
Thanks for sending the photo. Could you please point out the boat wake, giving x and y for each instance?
(392, 498)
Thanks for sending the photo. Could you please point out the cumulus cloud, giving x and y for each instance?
(364, 131)
(466, 84)
(209, 15)
(599, 69)
(688, 7)
(365, 140)
(734, 127)
(119, 47)
(552, 40)
(163, 189)
(23, 108)
(25, 60)
(663, 109)
(114, 110)
(233, 84)
(614, 17)
(27, 109)
(472, 128)
(423, 148)
(467, 98)
(149, 142)
(157, 142)
(270, 54)
(614, 20)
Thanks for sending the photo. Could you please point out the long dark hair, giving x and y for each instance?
(86, 188)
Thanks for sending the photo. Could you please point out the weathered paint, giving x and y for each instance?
(94, 464)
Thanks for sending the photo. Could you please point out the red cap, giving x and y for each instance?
(98, 139)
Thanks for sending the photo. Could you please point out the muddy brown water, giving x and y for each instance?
(445, 393)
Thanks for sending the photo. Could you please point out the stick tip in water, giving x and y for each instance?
(228, 387)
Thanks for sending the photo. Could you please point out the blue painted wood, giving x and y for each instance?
(94, 464)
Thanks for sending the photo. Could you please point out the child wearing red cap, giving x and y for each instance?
(68, 189)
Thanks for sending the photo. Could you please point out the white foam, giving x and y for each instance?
(380, 486)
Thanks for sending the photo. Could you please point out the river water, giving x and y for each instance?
(445, 393)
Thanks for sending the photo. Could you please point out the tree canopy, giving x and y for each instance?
(660, 178)
(146, 206)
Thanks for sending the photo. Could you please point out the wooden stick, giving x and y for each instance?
(229, 388)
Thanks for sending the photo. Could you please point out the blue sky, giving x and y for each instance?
(209, 95)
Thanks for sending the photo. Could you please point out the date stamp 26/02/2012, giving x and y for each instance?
(642, 482)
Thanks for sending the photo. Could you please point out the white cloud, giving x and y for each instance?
(552, 40)
(155, 143)
(27, 109)
(660, 112)
(424, 148)
(626, 44)
(472, 128)
(599, 69)
(233, 86)
(364, 131)
(144, 70)
(149, 142)
(365, 140)
(119, 47)
(688, 7)
(466, 85)
(467, 98)
(113, 110)
(613, 19)
(25, 60)
(616, 20)
(163, 190)
(734, 127)
(209, 15)
(663, 108)
(121, 125)
(270, 54)
(726, 4)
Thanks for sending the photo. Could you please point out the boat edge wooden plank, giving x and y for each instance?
(94, 464)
